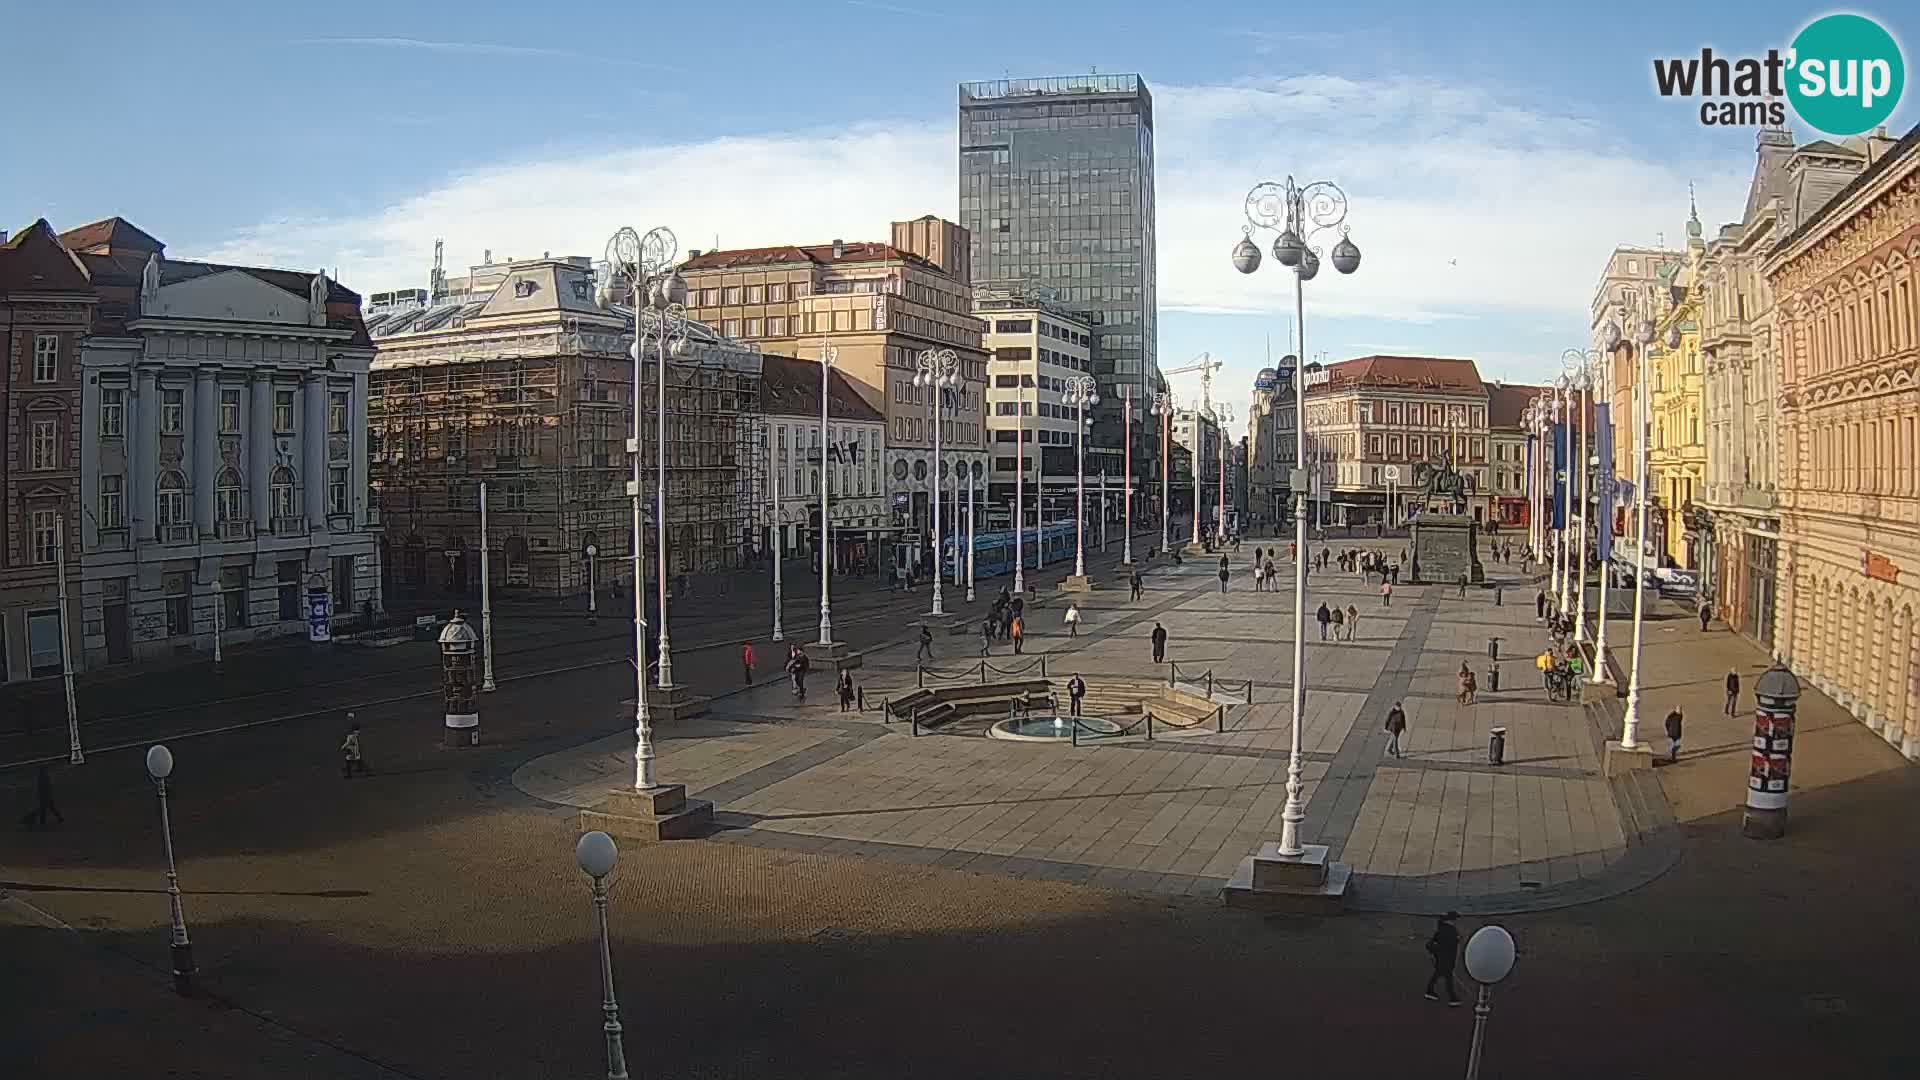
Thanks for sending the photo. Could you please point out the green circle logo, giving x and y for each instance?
(1847, 74)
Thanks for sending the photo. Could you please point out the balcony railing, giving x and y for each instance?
(176, 534)
(234, 529)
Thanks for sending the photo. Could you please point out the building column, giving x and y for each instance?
(144, 442)
(357, 494)
(260, 449)
(313, 439)
(204, 424)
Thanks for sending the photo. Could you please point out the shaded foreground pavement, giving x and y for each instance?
(429, 922)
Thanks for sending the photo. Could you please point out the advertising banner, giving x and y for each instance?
(319, 616)
(1772, 759)
(1559, 435)
(1603, 478)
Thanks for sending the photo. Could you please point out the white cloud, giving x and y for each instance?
(1467, 207)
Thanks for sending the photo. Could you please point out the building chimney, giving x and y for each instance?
(839, 248)
(693, 253)
(486, 256)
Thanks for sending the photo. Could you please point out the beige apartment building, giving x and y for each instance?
(1632, 278)
(1847, 307)
(880, 306)
(1404, 412)
(1033, 350)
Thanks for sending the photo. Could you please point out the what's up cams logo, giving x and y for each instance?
(1843, 75)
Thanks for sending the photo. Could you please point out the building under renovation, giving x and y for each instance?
(515, 378)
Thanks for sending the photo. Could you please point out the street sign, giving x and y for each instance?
(1391, 472)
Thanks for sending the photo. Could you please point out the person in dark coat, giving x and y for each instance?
(1674, 722)
(1396, 727)
(926, 644)
(43, 801)
(1443, 947)
(1706, 616)
(1733, 691)
(1136, 584)
(1323, 617)
(1159, 643)
(1223, 573)
(1076, 689)
(986, 636)
(1540, 606)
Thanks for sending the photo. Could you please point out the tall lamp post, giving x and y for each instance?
(1642, 337)
(973, 480)
(1163, 407)
(1126, 495)
(1604, 488)
(1198, 456)
(593, 594)
(646, 262)
(160, 766)
(1489, 960)
(487, 684)
(776, 533)
(596, 854)
(939, 372)
(1082, 392)
(1562, 415)
(1298, 213)
(828, 354)
(1020, 488)
(1582, 363)
(1223, 416)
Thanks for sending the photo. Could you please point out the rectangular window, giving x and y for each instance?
(233, 596)
(43, 643)
(337, 492)
(777, 326)
(43, 531)
(112, 506)
(287, 585)
(730, 328)
(113, 412)
(733, 293)
(754, 294)
(178, 590)
(753, 327)
(43, 444)
(776, 294)
(516, 495)
(282, 412)
(709, 297)
(173, 407)
(338, 404)
(46, 358)
(229, 412)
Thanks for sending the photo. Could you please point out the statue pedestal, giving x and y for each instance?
(1445, 546)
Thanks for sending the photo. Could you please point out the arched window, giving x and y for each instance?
(172, 509)
(280, 487)
(228, 503)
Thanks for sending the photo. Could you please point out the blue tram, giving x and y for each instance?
(993, 551)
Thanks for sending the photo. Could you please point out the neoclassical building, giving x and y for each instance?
(1848, 311)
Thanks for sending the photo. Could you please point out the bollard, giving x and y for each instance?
(1498, 591)
(1497, 746)
(1149, 726)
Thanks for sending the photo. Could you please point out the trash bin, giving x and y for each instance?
(1497, 747)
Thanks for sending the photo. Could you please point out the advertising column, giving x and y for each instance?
(1776, 698)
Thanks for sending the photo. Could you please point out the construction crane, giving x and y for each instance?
(1206, 365)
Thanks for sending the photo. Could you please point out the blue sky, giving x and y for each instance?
(1491, 161)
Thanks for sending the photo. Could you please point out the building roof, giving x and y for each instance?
(1506, 402)
(109, 236)
(790, 386)
(34, 260)
(860, 251)
(1406, 373)
(1901, 150)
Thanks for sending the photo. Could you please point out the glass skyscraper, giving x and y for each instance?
(1056, 186)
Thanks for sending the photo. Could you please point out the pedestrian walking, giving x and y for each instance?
(1223, 573)
(1468, 685)
(1076, 689)
(351, 759)
(1268, 568)
(1674, 722)
(1463, 586)
(1259, 578)
(1386, 594)
(1396, 727)
(1443, 947)
(1733, 691)
(1353, 621)
(1159, 643)
(1540, 606)
(746, 661)
(797, 666)
(1339, 623)
(1706, 616)
(1017, 630)
(846, 689)
(986, 636)
(43, 804)
(1323, 617)
(926, 644)
(1073, 620)
(1138, 585)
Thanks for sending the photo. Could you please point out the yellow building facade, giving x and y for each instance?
(1677, 449)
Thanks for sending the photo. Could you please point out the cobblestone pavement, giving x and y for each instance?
(1436, 829)
(428, 922)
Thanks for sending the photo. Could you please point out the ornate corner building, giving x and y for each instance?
(1848, 315)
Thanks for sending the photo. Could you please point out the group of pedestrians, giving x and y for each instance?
(1006, 620)
(1343, 624)
(1263, 572)
(1501, 552)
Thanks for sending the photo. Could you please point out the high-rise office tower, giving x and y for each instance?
(1056, 186)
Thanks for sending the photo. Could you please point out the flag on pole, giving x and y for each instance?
(1603, 446)
(1559, 432)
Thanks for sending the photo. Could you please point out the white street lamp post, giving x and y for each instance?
(939, 372)
(486, 600)
(1298, 213)
(1582, 364)
(1082, 392)
(1198, 457)
(1559, 481)
(593, 594)
(1224, 416)
(776, 535)
(1126, 495)
(1489, 956)
(1103, 511)
(1163, 406)
(1605, 511)
(160, 766)
(219, 602)
(973, 481)
(596, 854)
(646, 262)
(828, 354)
(1019, 489)
(75, 756)
(1630, 725)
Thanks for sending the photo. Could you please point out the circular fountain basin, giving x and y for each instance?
(1050, 728)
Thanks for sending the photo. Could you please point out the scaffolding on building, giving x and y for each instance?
(542, 417)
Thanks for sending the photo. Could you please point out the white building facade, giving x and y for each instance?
(1031, 353)
(224, 468)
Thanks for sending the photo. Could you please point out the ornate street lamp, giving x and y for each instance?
(1643, 332)
(1297, 214)
(939, 372)
(595, 854)
(1222, 415)
(160, 767)
(1163, 407)
(1082, 392)
(828, 354)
